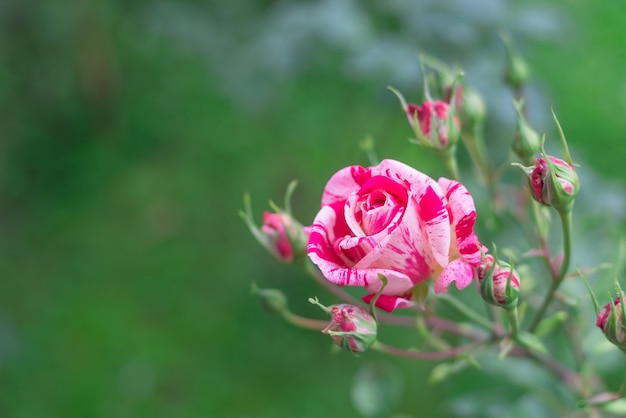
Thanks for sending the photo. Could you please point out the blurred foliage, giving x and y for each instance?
(130, 132)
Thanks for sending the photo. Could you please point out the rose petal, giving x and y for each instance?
(389, 303)
(431, 207)
(463, 218)
(343, 183)
(335, 256)
(457, 271)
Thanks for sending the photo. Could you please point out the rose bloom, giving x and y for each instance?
(394, 221)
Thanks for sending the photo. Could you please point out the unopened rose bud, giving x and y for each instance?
(498, 283)
(516, 70)
(611, 322)
(526, 142)
(435, 128)
(272, 300)
(351, 327)
(473, 108)
(274, 227)
(554, 182)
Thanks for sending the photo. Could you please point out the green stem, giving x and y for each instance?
(566, 222)
(475, 145)
(622, 390)
(424, 355)
(302, 322)
(514, 321)
(466, 311)
(449, 160)
(544, 306)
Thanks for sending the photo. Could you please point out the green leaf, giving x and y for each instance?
(530, 341)
(550, 322)
(617, 407)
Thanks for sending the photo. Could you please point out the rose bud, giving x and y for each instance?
(611, 322)
(526, 142)
(554, 182)
(516, 70)
(272, 300)
(284, 237)
(473, 108)
(351, 327)
(436, 128)
(497, 282)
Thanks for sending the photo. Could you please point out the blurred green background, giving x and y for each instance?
(130, 132)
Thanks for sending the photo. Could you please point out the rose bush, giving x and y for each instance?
(395, 221)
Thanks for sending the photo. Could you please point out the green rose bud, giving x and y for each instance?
(526, 142)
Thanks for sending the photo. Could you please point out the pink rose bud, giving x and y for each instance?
(433, 128)
(351, 327)
(526, 142)
(554, 183)
(284, 237)
(498, 283)
(611, 322)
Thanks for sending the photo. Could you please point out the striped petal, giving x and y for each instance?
(457, 271)
(463, 218)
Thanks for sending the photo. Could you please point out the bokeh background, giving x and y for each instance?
(130, 132)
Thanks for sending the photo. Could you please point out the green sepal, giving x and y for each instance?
(420, 294)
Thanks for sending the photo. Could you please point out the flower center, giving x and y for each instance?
(375, 210)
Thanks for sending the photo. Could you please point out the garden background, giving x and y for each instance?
(131, 130)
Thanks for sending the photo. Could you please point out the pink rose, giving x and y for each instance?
(395, 221)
